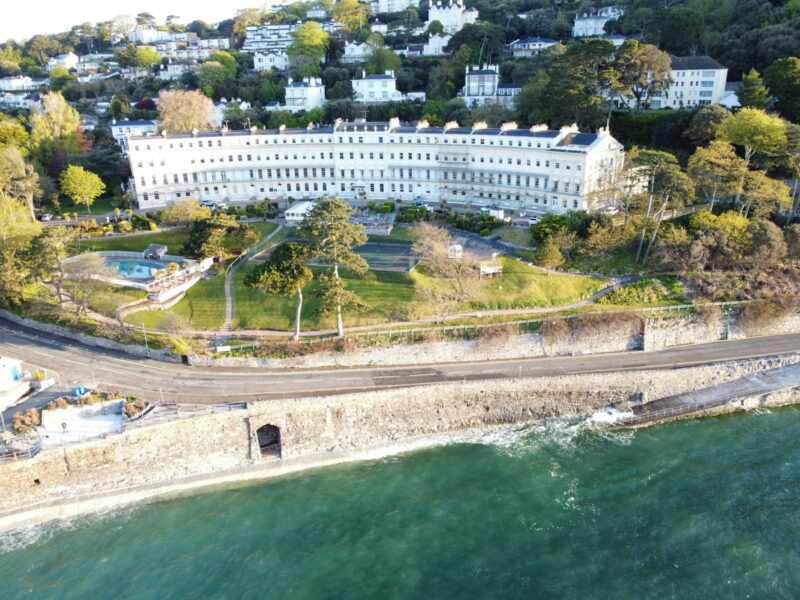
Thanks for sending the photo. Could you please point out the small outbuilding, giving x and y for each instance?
(297, 212)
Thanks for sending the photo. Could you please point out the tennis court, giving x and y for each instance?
(388, 257)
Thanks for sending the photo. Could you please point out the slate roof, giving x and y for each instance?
(694, 63)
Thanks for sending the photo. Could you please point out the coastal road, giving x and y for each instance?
(78, 364)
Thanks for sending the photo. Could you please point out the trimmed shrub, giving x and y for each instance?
(25, 422)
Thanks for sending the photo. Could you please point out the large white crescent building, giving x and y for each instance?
(532, 169)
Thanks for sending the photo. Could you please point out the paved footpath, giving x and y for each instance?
(229, 279)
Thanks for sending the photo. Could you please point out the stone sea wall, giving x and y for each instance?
(319, 427)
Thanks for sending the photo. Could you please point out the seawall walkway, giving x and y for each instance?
(698, 401)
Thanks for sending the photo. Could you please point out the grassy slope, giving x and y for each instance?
(388, 294)
(202, 308)
(391, 296)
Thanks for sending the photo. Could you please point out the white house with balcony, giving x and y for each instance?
(356, 52)
(69, 61)
(379, 27)
(452, 15)
(306, 95)
(271, 59)
(391, 6)
(174, 70)
(21, 83)
(532, 46)
(435, 46)
(482, 86)
(380, 87)
(593, 24)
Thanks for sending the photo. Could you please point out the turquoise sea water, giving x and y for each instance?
(699, 509)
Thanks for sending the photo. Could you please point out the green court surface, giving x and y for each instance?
(388, 257)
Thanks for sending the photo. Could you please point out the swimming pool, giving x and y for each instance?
(135, 268)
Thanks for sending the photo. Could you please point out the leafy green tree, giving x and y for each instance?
(18, 179)
(792, 234)
(15, 272)
(309, 40)
(351, 13)
(768, 243)
(146, 20)
(47, 253)
(570, 89)
(81, 186)
(54, 130)
(757, 133)
(549, 254)
(207, 236)
(185, 211)
(435, 27)
(285, 274)
(12, 133)
(752, 93)
(245, 18)
(17, 228)
(762, 194)
(333, 239)
(382, 60)
(716, 171)
(226, 59)
(213, 79)
(41, 48)
(60, 77)
(704, 126)
(721, 241)
(643, 70)
(668, 187)
(783, 79)
(119, 106)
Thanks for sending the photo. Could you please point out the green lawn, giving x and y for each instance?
(202, 308)
(173, 239)
(110, 297)
(391, 296)
(101, 206)
(522, 286)
(519, 236)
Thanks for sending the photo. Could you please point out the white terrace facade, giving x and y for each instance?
(535, 169)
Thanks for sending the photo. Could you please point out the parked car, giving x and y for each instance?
(47, 217)
(534, 220)
(207, 203)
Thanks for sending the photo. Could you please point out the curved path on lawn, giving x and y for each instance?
(231, 271)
